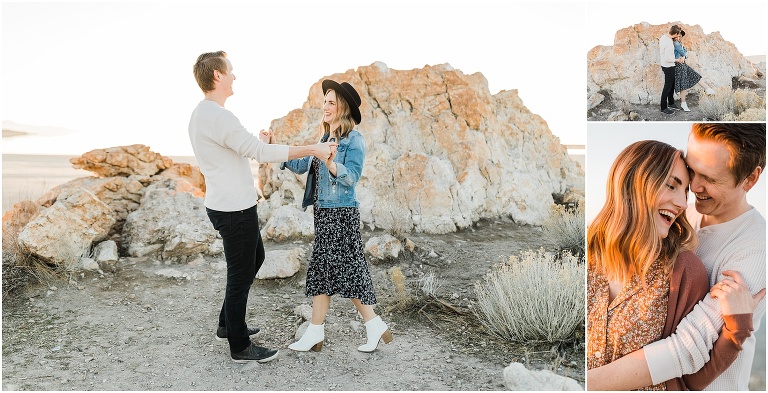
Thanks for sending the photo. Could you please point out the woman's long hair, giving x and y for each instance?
(622, 239)
(346, 122)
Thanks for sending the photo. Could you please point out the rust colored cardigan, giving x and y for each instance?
(684, 294)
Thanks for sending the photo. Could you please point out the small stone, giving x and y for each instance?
(356, 326)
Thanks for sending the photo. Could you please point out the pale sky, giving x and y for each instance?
(120, 73)
(741, 22)
(606, 140)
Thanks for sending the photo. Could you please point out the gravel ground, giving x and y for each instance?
(135, 329)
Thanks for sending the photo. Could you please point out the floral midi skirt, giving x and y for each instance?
(338, 265)
(685, 77)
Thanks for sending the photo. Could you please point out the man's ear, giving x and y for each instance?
(752, 179)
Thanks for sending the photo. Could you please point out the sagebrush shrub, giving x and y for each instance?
(751, 114)
(745, 99)
(538, 296)
(567, 228)
(718, 105)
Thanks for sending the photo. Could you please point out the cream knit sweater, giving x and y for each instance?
(223, 148)
(737, 245)
(666, 51)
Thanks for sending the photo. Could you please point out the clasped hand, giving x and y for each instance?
(326, 151)
(267, 136)
(734, 295)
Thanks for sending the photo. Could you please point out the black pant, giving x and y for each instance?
(668, 94)
(244, 253)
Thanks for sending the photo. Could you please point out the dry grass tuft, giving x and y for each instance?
(567, 228)
(429, 284)
(422, 298)
(20, 268)
(536, 297)
(717, 105)
(729, 105)
(746, 99)
(402, 298)
(751, 114)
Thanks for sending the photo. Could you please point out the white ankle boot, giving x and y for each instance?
(311, 339)
(685, 107)
(376, 330)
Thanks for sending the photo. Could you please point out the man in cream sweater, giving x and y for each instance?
(223, 148)
(725, 160)
(668, 61)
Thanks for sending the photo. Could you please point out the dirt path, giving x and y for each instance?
(138, 330)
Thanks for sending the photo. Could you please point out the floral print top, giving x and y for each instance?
(632, 320)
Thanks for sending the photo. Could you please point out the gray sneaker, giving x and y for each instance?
(221, 332)
(254, 353)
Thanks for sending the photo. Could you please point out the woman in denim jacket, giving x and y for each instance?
(338, 264)
(685, 76)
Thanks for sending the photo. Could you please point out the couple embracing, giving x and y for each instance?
(223, 148)
(679, 77)
(675, 291)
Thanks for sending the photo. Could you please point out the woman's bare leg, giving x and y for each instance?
(320, 306)
(366, 310)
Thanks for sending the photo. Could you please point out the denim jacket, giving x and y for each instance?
(339, 190)
(680, 50)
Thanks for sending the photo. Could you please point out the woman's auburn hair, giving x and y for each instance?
(346, 122)
(623, 240)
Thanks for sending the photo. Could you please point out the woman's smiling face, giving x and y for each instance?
(330, 107)
(672, 199)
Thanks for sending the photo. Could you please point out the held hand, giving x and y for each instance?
(734, 295)
(267, 136)
(324, 150)
(329, 161)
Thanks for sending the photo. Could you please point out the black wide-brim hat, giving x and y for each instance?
(350, 95)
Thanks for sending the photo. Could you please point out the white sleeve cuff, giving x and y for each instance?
(662, 362)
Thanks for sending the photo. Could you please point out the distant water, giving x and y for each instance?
(27, 177)
(578, 155)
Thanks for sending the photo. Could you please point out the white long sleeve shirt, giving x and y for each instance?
(739, 245)
(666, 51)
(222, 147)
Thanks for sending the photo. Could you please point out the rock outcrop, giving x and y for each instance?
(629, 70)
(122, 161)
(67, 221)
(64, 232)
(518, 378)
(171, 223)
(442, 152)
